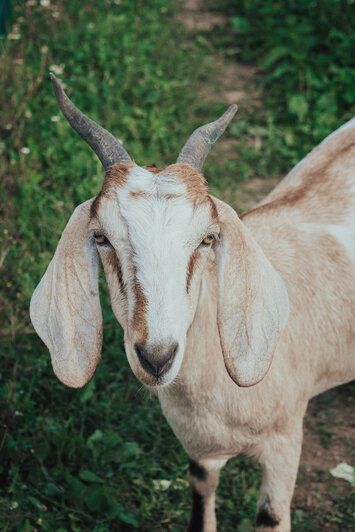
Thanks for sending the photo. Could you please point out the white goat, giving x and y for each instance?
(234, 323)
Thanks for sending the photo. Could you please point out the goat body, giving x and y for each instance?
(306, 228)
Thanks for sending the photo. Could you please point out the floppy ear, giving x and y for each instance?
(253, 303)
(65, 307)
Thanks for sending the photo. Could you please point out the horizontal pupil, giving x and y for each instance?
(100, 239)
(208, 239)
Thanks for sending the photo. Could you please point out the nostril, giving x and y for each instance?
(156, 360)
(166, 362)
(143, 355)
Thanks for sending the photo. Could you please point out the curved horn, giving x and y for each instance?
(105, 145)
(196, 149)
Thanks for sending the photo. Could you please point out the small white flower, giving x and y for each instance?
(14, 505)
(162, 485)
(25, 150)
(344, 471)
(45, 3)
(14, 36)
(57, 69)
(55, 118)
(44, 49)
(91, 25)
(28, 113)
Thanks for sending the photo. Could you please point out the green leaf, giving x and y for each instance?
(116, 510)
(88, 391)
(89, 476)
(273, 56)
(52, 490)
(95, 437)
(35, 502)
(246, 525)
(240, 24)
(125, 451)
(94, 497)
(298, 106)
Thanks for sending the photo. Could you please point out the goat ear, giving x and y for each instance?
(65, 307)
(253, 303)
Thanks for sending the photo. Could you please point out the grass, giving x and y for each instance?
(304, 53)
(94, 459)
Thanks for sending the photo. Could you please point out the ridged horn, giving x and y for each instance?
(105, 145)
(196, 149)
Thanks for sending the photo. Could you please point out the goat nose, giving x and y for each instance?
(156, 359)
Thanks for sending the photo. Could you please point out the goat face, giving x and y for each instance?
(154, 232)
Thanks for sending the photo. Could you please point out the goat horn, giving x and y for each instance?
(105, 145)
(196, 149)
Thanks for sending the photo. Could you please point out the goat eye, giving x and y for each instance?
(100, 239)
(207, 240)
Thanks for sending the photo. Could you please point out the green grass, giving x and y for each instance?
(93, 459)
(304, 52)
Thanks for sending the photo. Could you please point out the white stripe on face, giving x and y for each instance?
(164, 229)
(157, 229)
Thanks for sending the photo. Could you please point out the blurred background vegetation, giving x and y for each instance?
(103, 458)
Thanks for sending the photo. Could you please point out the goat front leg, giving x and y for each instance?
(279, 459)
(203, 478)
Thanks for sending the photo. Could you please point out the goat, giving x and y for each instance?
(234, 323)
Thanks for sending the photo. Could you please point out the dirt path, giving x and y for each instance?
(329, 428)
(234, 83)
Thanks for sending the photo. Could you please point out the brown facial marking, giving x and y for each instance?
(115, 265)
(172, 196)
(190, 268)
(154, 168)
(139, 322)
(115, 175)
(193, 180)
(139, 194)
(214, 212)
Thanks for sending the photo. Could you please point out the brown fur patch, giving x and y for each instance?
(139, 322)
(194, 181)
(115, 175)
(214, 212)
(139, 194)
(320, 187)
(190, 268)
(172, 196)
(114, 263)
(154, 168)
